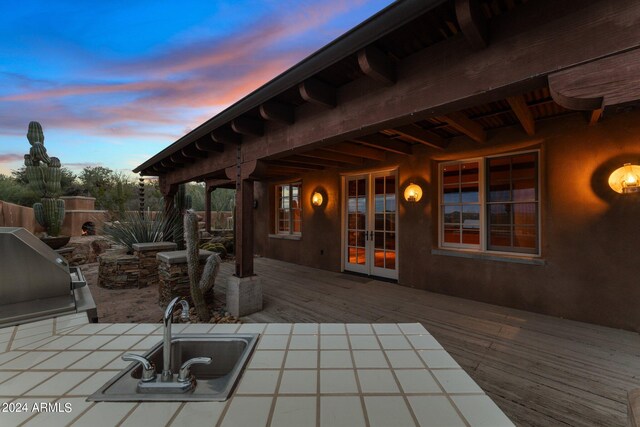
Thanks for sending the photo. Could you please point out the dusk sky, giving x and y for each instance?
(115, 82)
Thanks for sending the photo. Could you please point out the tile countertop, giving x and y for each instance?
(301, 374)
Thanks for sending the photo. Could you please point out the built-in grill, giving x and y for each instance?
(36, 282)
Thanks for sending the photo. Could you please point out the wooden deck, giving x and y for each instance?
(540, 370)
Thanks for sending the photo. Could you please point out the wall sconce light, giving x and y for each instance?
(316, 199)
(626, 179)
(413, 193)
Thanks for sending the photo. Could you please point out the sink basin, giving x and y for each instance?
(214, 382)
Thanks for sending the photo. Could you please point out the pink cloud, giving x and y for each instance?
(11, 157)
(176, 85)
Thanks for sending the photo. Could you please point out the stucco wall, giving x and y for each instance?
(590, 267)
(18, 216)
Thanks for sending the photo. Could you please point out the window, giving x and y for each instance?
(491, 204)
(288, 208)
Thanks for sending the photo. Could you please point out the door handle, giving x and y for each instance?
(371, 238)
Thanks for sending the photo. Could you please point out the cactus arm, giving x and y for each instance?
(39, 213)
(35, 133)
(193, 264)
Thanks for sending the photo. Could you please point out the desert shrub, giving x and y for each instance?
(141, 228)
(215, 247)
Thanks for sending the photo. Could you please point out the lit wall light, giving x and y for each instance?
(316, 199)
(626, 179)
(413, 193)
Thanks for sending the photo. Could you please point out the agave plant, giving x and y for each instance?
(142, 228)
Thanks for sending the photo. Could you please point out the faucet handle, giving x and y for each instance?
(148, 368)
(185, 374)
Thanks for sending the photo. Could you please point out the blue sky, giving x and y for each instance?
(114, 82)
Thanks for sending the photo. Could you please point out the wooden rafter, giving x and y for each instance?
(357, 150)
(472, 23)
(328, 155)
(422, 136)
(384, 143)
(523, 113)
(463, 124)
(167, 164)
(317, 92)
(193, 152)
(292, 164)
(209, 146)
(179, 159)
(225, 136)
(314, 161)
(277, 112)
(375, 64)
(247, 126)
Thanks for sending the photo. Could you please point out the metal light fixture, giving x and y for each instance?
(413, 193)
(626, 179)
(316, 199)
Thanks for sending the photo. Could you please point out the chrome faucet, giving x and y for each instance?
(167, 375)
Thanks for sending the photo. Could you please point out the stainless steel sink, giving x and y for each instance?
(214, 382)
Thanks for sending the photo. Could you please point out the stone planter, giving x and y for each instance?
(174, 277)
(56, 242)
(118, 270)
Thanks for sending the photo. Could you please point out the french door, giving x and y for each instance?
(371, 224)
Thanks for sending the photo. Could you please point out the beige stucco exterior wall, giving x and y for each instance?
(589, 268)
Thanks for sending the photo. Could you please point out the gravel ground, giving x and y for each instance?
(123, 306)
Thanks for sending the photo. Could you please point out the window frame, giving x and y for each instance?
(483, 246)
(289, 218)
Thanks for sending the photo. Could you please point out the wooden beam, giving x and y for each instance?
(598, 84)
(595, 115)
(168, 164)
(422, 136)
(317, 92)
(329, 155)
(463, 124)
(277, 112)
(375, 64)
(523, 113)
(472, 23)
(357, 150)
(206, 146)
(384, 143)
(247, 126)
(192, 152)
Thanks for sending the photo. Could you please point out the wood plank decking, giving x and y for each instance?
(540, 370)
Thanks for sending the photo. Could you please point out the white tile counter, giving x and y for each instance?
(299, 375)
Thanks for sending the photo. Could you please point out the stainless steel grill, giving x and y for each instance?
(36, 282)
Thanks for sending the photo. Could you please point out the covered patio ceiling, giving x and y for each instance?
(420, 73)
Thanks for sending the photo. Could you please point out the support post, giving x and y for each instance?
(244, 228)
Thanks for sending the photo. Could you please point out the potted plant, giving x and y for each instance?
(43, 173)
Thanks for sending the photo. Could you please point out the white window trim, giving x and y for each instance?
(289, 215)
(483, 246)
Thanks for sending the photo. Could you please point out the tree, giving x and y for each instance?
(67, 179)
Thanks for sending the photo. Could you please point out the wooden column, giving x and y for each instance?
(244, 228)
(244, 174)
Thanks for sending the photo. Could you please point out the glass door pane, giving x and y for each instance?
(356, 223)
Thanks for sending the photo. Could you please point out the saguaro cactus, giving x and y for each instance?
(199, 284)
(181, 203)
(43, 173)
